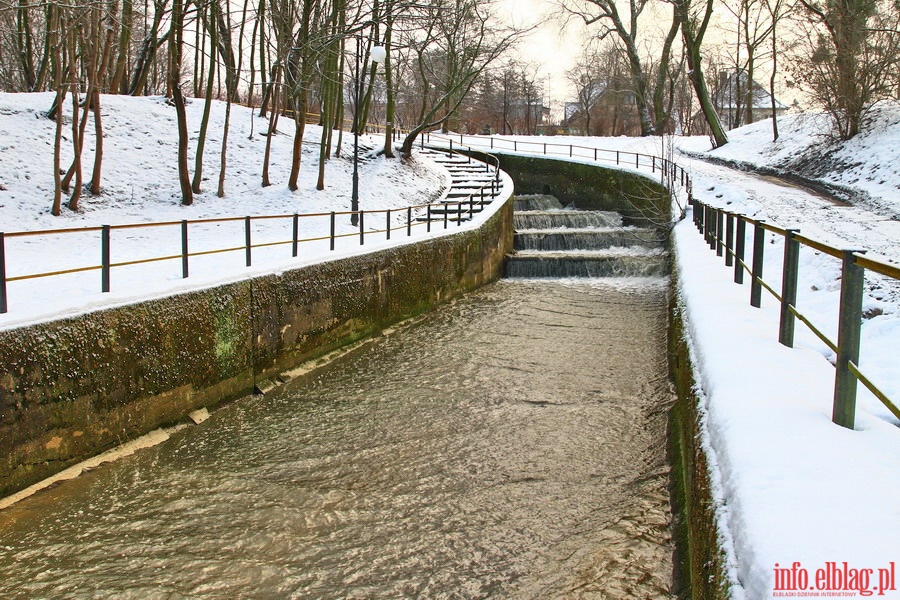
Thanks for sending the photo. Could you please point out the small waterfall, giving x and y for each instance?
(536, 202)
(553, 242)
(585, 239)
(572, 219)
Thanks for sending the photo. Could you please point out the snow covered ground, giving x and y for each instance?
(791, 487)
(140, 185)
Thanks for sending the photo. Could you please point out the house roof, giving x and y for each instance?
(732, 94)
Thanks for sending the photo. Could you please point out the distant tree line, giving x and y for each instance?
(288, 58)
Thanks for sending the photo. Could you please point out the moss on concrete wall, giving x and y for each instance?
(72, 388)
(701, 562)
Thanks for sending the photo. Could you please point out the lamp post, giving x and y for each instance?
(378, 54)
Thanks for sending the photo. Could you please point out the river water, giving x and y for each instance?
(508, 445)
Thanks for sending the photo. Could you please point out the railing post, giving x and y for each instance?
(739, 243)
(759, 244)
(459, 212)
(729, 240)
(849, 325)
(104, 258)
(332, 230)
(595, 155)
(184, 249)
(637, 161)
(545, 149)
(295, 234)
(362, 233)
(720, 229)
(408, 221)
(706, 224)
(571, 149)
(653, 167)
(617, 157)
(428, 219)
(789, 287)
(388, 226)
(515, 146)
(3, 305)
(247, 239)
(446, 211)
(450, 151)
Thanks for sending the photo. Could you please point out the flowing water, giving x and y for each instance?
(508, 445)
(552, 242)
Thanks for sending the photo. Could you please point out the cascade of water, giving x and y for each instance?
(572, 219)
(585, 239)
(537, 202)
(552, 242)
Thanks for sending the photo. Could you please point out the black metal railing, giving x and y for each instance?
(726, 231)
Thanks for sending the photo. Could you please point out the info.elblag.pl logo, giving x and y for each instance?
(834, 580)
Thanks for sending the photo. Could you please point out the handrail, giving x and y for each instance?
(401, 218)
(714, 223)
(671, 172)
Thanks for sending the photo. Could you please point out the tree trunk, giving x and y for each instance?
(98, 151)
(692, 39)
(273, 124)
(76, 129)
(661, 112)
(390, 109)
(774, 72)
(55, 45)
(175, 45)
(25, 44)
(204, 120)
(118, 82)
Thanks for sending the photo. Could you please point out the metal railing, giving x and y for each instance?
(670, 172)
(725, 232)
(421, 216)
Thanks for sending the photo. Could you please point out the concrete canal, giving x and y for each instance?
(510, 444)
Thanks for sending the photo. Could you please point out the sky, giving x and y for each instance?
(551, 45)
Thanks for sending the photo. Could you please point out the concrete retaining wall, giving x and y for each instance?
(701, 563)
(72, 388)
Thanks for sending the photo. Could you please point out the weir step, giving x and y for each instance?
(551, 241)
(586, 264)
(579, 239)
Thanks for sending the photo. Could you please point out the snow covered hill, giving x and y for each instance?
(864, 170)
(140, 177)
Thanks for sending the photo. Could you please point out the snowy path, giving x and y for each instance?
(786, 205)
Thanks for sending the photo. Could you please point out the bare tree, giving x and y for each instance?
(457, 43)
(694, 16)
(851, 55)
(605, 14)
